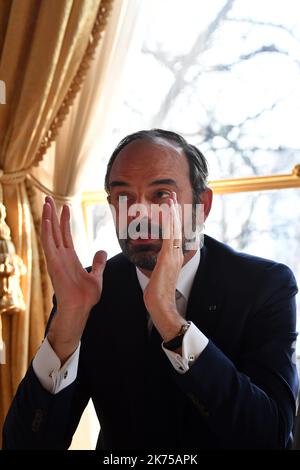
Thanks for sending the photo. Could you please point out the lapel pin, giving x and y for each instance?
(212, 307)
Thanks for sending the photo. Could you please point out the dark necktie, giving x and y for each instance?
(162, 391)
(180, 304)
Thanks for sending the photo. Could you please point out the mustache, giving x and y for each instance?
(149, 230)
(127, 247)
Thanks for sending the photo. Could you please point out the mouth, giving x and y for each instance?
(144, 241)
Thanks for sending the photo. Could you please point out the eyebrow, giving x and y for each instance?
(117, 183)
(168, 181)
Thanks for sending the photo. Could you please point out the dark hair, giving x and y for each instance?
(196, 160)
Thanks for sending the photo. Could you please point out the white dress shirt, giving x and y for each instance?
(194, 341)
(54, 378)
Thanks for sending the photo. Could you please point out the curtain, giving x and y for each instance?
(87, 123)
(92, 113)
(45, 49)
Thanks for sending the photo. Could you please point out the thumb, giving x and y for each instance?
(99, 263)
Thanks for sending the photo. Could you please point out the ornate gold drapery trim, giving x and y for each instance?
(96, 34)
(20, 176)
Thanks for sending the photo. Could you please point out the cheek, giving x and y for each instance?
(187, 217)
(121, 219)
(124, 216)
(158, 215)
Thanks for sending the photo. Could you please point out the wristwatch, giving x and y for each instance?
(176, 342)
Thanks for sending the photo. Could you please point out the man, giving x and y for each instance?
(180, 347)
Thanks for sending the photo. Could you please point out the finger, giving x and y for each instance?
(166, 225)
(177, 226)
(65, 227)
(173, 225)
(55, 223)
(99, 263)
(175, 238)
(47, 239)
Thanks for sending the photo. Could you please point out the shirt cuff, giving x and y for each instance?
(47, 367)
(194, 342)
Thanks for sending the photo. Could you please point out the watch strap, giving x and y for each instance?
(176, 342)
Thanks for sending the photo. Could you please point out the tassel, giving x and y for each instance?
(2, 346)
(11, 268)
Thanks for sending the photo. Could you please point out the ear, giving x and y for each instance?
(206, 199)
(112, 209)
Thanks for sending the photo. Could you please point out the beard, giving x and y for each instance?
(145, 255)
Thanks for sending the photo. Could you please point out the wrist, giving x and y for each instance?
(80, 311)
(175, 343)
(62, 349)
(173, 329)
(65, 333)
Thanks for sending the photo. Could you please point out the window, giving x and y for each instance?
(225, 75)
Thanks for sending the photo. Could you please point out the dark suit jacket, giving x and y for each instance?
(239, 393)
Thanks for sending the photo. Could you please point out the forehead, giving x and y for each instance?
(146, 160)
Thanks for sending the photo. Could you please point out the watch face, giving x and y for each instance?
(184, 328)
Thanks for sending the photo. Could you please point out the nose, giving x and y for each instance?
(143, 200)
(140, 208)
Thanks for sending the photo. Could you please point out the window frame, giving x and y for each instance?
(220, 186)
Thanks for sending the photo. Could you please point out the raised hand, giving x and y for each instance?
(159, 295)
(76, 290)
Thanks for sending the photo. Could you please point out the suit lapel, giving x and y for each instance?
(206, 298)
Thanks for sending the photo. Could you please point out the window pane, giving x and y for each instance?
(265, 224)
(101, 230)
(227, 78)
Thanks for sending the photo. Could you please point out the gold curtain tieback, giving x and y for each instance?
(16, 177)
(13, 177)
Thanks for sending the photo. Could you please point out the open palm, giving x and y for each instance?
(76, 290)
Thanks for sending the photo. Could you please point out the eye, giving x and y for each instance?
(121, 198)
(162, 194)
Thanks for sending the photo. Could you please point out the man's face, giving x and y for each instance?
(146, 173)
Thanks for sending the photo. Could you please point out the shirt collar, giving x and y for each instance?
(185, 279)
